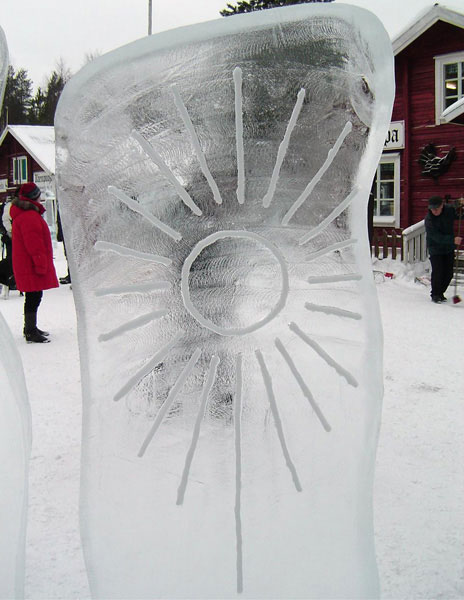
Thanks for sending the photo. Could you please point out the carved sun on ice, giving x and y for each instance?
(232, 330)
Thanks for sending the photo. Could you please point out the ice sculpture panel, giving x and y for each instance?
(15, 449)
(213, 183)
(15, 441)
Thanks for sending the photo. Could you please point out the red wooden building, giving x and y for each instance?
(424, 150)
(27, 153)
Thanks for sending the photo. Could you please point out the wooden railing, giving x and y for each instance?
(414, 243)
(387, 243)
(408, 244)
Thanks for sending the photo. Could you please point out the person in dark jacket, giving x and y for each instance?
(6, 265)
(32, 256)
(60, 238)
(441, 244)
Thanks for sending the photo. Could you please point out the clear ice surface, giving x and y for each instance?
(15, 449)
(15, 441)
(213, 183)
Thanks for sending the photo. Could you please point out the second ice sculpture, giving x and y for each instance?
(15, 449)
(213, 183)
(15, 441)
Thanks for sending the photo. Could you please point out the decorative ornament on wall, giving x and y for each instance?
(433, 165)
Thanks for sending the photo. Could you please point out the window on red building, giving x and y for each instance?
(19, 169)
(386, 192)
(449, 81)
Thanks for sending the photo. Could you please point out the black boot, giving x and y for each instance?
(39, 331)
(31, 333)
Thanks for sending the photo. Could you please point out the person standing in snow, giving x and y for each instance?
(6, 274)
(441, 244)
(60, 238)
(32, 256)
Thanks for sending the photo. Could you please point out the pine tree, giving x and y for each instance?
(55, 86)
(18, 96)
(36, 109)
(43, 105)
(246, 6)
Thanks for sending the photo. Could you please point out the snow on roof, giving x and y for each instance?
(38, 140)
(423, 21)
(405, 20)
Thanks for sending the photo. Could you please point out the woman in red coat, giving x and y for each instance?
(32, 256)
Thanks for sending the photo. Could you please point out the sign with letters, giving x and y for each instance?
(395, 136)
(45, 182)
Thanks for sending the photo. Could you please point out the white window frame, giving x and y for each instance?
(440, 62)
(391, 220)
(19, 160)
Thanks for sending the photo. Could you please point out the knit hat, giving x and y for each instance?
(435, 201)
(30, 191)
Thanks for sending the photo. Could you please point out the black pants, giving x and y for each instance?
(32, 301)
(442, 272)
(6, 267)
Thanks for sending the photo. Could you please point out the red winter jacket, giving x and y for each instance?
(32, 247)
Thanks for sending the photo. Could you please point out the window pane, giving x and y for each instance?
(451, 88)
(450, 101)
(387, 189)
(23, 169)
(387, 170)
(451, 71)
(386, 208)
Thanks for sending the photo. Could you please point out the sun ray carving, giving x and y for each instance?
(134, 324)
(277, 420)
(334, 278)
(333, 215)
(323, 354)
(304, 388)
(196, 145)
(133, 288)
(147, 368)
(136, 207)
(238, 471)
(166, 172)
(282, 151)
(333, 310)
(318, 176)
(211, 376)
(123, 251)
(237, 75)
(169, 400)
(331, 248)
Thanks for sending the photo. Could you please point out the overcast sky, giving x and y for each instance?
(41, 32)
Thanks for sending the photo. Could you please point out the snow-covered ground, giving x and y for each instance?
(419, 490)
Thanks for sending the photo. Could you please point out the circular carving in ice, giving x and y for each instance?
(208, 241)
